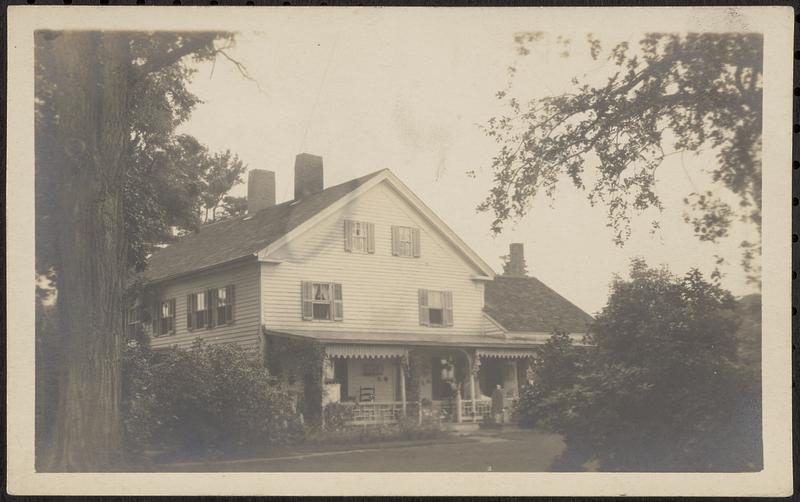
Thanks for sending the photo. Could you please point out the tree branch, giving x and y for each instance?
(153, 65)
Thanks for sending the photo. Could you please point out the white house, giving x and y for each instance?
(367, 271)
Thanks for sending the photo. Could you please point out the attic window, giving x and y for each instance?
(405, 241)
(359, 236)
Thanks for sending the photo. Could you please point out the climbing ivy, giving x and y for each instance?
(299, 361)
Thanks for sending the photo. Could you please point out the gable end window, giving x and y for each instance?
(322, 301)
(435, 308)
(406, 241)
(164, 318)
(359, 236)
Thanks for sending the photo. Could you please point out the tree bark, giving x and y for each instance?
(92, 75)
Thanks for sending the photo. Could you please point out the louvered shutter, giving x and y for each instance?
(370, 228)
(447, 307)
(231, 302)
(307, 300)
(348, 235)
(211, 308)
(173, 312)
(338, 307)
(415, 242)
(424, 313)
(191, 307)
(395, 240)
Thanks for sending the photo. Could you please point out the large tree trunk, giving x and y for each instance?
(92, 77)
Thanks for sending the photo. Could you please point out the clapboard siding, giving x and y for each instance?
(379, 290)
(491, 327)
(245, 330)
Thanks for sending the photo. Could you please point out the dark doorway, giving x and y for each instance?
(490, 375)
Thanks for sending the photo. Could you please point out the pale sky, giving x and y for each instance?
(369, 91)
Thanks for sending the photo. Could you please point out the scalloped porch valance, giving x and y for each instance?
(364, 351)
(505, 353)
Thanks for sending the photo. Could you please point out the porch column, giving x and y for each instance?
(476, 365)
(403, 386)
(322, 394)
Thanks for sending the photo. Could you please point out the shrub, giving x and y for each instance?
(337, 416)
(659, 389)
(404, 430)
(210, 399)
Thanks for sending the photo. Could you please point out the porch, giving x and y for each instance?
(383, 384)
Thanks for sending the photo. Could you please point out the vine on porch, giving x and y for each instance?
(299, 361)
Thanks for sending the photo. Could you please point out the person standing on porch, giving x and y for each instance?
(498, 404)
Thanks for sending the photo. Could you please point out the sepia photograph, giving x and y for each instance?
(352, 250)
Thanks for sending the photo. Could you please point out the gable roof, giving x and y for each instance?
(230, 240)
(269, 229)
(527, 304)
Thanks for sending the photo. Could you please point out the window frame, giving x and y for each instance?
(228, 307)
(409, 247)
(335, 302)
(165, 326)
(446, 308)
(367, 238)
(193, 311)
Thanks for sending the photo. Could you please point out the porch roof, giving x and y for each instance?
(412, 339)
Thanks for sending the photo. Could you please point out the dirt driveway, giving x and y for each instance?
(517, 451)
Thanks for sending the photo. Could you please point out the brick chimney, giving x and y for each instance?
(260, 190)
(307, 175)
(516, 262)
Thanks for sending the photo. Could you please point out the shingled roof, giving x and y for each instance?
(230, 240)
(527, 304)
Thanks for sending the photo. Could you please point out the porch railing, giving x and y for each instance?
(376, 412)
(389, 412)
(482, 408)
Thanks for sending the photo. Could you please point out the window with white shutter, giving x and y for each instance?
(406, 241)
(322, 301)
(435, 308)
(359, 236)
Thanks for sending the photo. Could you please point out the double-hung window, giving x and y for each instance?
(198, 310)
(435, 308)
(322, 301)
(406, 241)
(209, 308)
(164, 318)
(224, 305)
(359, 236)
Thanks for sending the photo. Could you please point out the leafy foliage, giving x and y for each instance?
(695, 91)
(406, 430)
(299, 363)
(210, 399)
(225, 171)
(556, 366)
(167, 173)
(660, 388)
(232, 207)
(508, 268)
